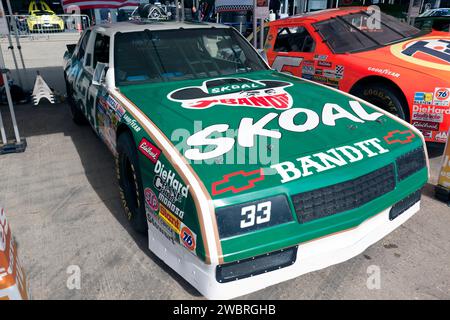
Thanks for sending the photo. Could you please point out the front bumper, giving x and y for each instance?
(312, 255)
(46, 25)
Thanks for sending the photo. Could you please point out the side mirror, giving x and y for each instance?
(99, 73)
(263, 54)
(71, 48)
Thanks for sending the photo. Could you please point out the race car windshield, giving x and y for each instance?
(173, 55)
(361, 31)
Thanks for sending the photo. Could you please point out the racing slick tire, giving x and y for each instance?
(385, 96)
(130, 183)
(77, 116)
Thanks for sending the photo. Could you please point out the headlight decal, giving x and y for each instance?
(251, 216)
(409, 163)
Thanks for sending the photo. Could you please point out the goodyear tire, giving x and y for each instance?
(385, 96)
(130, 183)
(77, 116)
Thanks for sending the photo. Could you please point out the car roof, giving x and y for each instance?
(133, 26)
(429, 12)
(321, 15)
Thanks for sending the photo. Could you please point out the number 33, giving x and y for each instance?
(256, 214)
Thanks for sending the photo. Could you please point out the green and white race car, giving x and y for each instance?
(243, 176)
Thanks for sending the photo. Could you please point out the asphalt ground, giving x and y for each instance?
(62, 200)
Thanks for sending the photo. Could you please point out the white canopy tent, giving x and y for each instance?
(19, 144)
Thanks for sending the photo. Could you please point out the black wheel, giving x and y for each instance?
(130, 183)
(385, 96)
(77, 115)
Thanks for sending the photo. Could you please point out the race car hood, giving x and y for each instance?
(428, 54)
(255, 125)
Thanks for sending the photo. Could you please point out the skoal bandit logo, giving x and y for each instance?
(235, 92)
(330, 159)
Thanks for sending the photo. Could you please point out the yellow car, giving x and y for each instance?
(41, 17)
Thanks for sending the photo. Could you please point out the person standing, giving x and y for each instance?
(190, 11)
(275, 5)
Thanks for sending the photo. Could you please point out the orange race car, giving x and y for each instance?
(373, 56)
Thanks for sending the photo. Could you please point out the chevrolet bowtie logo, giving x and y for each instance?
(398, 136)
(237, 181)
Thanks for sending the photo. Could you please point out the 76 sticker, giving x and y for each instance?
(188, 238)
(441, 96)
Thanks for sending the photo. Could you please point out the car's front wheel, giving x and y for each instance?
(384, 96)
(130, 183)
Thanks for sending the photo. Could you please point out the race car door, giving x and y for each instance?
(76, 72)
(97, 51)
(102, 107)
(292, 51)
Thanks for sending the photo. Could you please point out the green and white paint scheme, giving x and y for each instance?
(214, 198)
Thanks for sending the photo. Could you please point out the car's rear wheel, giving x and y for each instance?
(385, 96)
(77, 116)
(130, 183)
